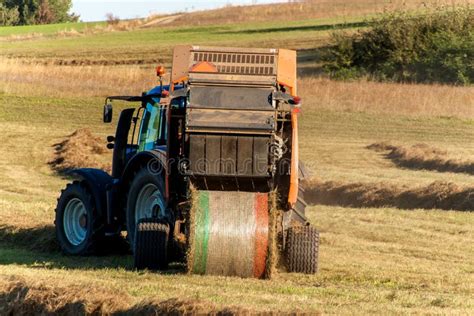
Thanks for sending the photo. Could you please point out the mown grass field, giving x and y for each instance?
(149, 45)
(46, 29)
(372, 260)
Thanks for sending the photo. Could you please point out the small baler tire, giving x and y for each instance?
(151, 245)
(302, 249)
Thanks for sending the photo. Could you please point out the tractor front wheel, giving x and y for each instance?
(76, 222)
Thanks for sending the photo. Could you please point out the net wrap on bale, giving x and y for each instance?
(229, 233)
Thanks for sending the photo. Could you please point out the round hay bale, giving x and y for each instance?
(229, 234)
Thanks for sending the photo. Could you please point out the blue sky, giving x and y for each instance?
(95, 10)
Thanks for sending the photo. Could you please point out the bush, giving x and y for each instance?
(8, 16)
(434, 47)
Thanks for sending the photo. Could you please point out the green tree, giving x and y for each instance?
(61, 10)
(8, 16)
(39, 11)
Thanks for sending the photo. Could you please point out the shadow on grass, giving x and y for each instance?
(37, 247)
(285, 29)
(40, 238)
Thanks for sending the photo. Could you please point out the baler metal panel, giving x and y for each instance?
(239, 98)
(229, 121)
(227, 155)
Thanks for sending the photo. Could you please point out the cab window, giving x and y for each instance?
(153, 127)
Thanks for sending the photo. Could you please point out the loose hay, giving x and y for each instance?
(274, 247)
(423, 156)
(175, 306)
(230, 235)
(18, 297)
(81, 149)
(438, 195)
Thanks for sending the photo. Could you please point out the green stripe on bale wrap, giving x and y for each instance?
(201, 233)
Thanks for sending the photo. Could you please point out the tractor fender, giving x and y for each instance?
(155, 160)
(96, 181)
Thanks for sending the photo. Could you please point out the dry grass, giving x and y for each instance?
(18, 297)
(360, 96)
(388, 98)
(311, 9)
(372, 261)
(423, 156)
(438, 195)
(55, 80)
(81, 149)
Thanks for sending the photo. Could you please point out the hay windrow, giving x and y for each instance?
(437, 195)
(81, 149)
(176, 306)
(423, 156)
(18, 297)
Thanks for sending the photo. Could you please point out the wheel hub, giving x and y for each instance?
(75, 221)
(150, 203)
(83, 221)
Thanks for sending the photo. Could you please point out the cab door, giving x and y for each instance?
(153, 131)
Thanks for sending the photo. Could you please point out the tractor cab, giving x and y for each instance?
(142, 129)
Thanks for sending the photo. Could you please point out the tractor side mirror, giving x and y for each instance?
(108, 110)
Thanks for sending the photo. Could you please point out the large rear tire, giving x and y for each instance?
(77, 224)
(147, 216)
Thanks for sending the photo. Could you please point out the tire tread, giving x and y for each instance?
(302, 249)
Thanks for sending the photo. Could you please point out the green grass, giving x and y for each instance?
(46, 29)
(372, 260)
(151, 43)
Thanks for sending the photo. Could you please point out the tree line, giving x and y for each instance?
(28, 12)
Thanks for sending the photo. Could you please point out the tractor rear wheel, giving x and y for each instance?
(148, 220)
(77, 223)
(302, 249)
